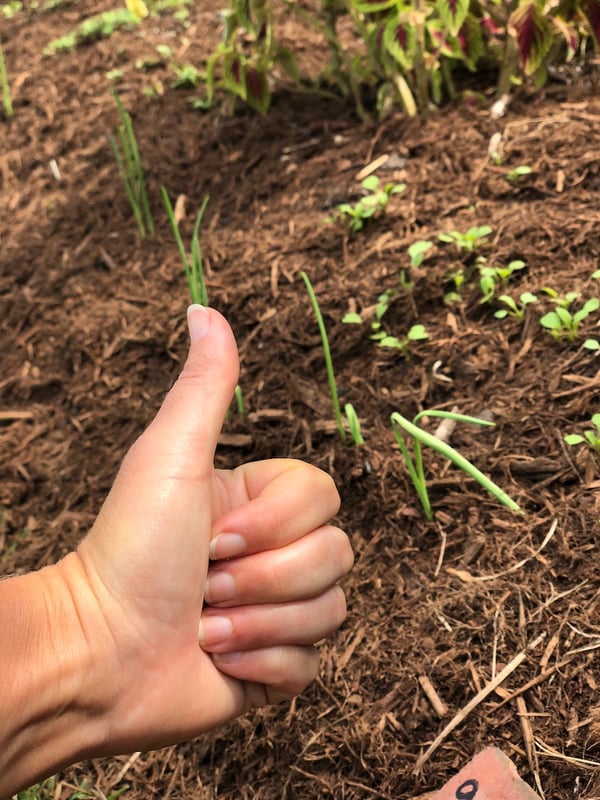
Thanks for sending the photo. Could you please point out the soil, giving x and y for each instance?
(92, 334)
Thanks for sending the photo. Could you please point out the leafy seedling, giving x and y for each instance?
(416, 333)
(515, 308)
(518, 172)
(186, 77)
(376, 200)
(414, 463)
(100, 26)
(470, 241)
(127, 156)
(490, 278)
(6, 101)
(417, 252)
(458, 278)
(563, 324)
(350, 413)
(589, 437)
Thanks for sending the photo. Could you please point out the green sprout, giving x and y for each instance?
(127, 156)
(515, 308)
(194, 267)
(186, 77)
(518, 172)
(417, 252)
(416, 333)
(589, 437)
(562, 323)
(375, 200)
(470, 241)
(351, 416)
(458, 279)
(99, 26)
(490, 278)
(6, 101)
(414, 463)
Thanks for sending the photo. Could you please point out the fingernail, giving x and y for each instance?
(220, 587)
(214, 630)
(227, 545)
(226, 658)
(198, 321)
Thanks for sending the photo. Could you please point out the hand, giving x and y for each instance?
(166, 667)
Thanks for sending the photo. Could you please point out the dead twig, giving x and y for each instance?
(475, 701)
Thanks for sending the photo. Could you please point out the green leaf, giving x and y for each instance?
(452, 13)
(400, 41)
(574, 438)
(417, 332)
(591, 305)
(351, 318)
(370, 183)
(550, 321)
(591, 344)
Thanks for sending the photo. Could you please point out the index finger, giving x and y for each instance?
(272, 503)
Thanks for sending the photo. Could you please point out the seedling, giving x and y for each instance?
(590, 437)
(470, 241)
(6, 101)
(100, 26)
(375, 201)
(562, 324)
(515, 308)
(518, 172)
(417, 252)
(193, 267)
(596, 274)
(127, 156)
(186, 77)
(414, 463)
(416, 333)
(458, 279)
(350, 413)
(492, 277)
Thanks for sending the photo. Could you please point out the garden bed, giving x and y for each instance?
(92, 334)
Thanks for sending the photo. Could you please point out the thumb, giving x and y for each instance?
(184, 433)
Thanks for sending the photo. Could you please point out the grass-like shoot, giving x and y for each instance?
(6, 101)
(350, 413)
(193, 266)
(414, 462)
(127, 156)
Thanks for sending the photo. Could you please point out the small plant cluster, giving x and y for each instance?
(374, 201)
(406, 53)
(590, 437)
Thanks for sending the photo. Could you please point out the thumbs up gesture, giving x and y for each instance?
(206, 589)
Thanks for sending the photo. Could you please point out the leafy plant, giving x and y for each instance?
(415, 333)
(457, 277)
(564, 324)
(513, 175)
(470, 241)
(515, 308)
(6, 101)
(589, 437)
(414, 463)
(350, 413)
(193, 267)
(127, 156)
(374, 201)
(492, 277)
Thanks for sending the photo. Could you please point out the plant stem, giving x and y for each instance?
(327, 354)
(6, 101)
(415, 476)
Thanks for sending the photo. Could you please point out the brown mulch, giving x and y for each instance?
(92, 334)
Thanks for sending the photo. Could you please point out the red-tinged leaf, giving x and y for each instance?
(234, 74)
(258, 94)
(569, 34)
(534, 34)
(592, 11)
(399, 39)
(452, 13)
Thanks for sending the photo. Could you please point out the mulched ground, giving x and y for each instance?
(92, 334)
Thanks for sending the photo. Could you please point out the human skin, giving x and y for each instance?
(197, 595)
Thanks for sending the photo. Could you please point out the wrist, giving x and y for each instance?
(54, 710)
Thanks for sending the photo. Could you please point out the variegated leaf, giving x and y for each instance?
(258, 94)
(534, 34)
(452, 13)
(470, 41)
(399, 40)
